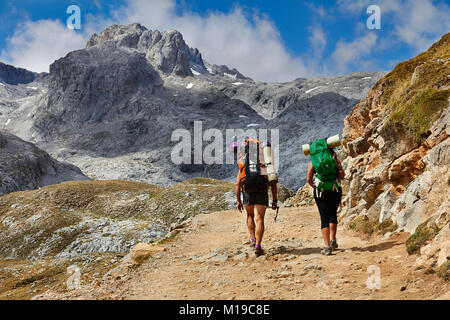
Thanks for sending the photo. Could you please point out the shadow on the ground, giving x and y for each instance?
(300, 251)
(295, 251)
(378, 247)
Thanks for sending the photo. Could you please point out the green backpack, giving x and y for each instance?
(324, 164)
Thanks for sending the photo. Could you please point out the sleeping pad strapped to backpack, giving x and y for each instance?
(324, 165)
(252, 180)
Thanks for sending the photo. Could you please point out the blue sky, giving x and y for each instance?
(266, 40)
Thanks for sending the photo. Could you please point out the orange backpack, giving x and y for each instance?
(251, 168)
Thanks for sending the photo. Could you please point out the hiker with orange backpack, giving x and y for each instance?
(253, 181)
(324, 175)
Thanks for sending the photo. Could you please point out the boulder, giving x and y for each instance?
(303, 197)
(358, 146)
(283, 193)
(142, 251)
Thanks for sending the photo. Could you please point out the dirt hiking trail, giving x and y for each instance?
(211, 259)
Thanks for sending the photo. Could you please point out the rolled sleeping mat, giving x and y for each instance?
(305, 149)
(332, 142)
(268, 160)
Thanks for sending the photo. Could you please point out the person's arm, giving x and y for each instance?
(238, 193)
(341, 172)
(309, 176)
(274, 189)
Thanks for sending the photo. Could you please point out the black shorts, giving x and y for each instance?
(261, 198)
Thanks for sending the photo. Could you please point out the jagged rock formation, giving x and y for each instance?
(112, 107)
(13, 75)
(94, 85)
(399, 148)
(270, 100)
(23, 166)
(167, 51)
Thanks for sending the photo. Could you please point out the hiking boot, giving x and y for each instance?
(333, 244)
(258, 250)
(326, 251)
(252, 243)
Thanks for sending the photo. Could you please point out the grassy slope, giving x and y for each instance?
(416, 102)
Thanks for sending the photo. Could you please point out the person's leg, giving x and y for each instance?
(333, 217)
(333, 230)
(326, 236)
(324, 221)
(250, 220)
(259, 219)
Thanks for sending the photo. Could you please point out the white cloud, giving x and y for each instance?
(318, 40)
(418, 23)
(35, 45)
(353, 52)
(421, 22)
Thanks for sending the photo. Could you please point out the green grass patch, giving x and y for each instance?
(363, 224)
(397, 82)
(444, 271)
(420, 237)
(386, 226)
(415, 90)
(48, 273)
(418, 114)
(430, 271)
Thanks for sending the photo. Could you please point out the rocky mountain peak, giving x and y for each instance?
(166, 51)
(127, 36)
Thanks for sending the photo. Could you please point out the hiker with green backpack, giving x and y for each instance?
(324, 175)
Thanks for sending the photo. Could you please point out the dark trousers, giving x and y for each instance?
(328, 204)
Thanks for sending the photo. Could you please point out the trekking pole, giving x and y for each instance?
(276, 214)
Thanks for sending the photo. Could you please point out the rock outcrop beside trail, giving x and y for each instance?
(398, 147)
(304, 197)
(23, 166)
